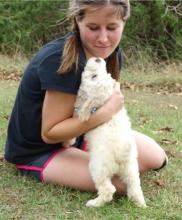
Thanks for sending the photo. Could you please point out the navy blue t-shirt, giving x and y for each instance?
(24, 142)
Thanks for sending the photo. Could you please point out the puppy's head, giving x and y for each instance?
(95, 64)
(95, 72)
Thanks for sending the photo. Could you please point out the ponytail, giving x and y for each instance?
(70, 54)
(113, 66)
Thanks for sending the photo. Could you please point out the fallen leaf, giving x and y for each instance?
(173, 107)
(159, 182)
(174, 154)
(134, 101)
(167, 141)
(18, 214)
(168, 129)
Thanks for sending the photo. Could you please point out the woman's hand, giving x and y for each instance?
(115, 103)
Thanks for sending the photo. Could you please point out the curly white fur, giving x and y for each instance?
(111, 145)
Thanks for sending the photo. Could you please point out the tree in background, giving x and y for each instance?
(157, 24)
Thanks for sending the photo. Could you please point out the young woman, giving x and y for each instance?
(42, 118)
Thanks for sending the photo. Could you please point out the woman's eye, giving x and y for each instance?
(112, 28)
(93, 28)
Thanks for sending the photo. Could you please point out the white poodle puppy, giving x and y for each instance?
(111, 145)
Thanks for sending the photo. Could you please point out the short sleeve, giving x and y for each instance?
(50, 79)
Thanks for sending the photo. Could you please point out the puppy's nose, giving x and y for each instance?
(97, 60)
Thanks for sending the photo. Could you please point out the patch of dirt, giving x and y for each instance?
(14, 75)
(165, 88)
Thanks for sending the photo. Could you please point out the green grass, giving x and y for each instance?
(156, 114)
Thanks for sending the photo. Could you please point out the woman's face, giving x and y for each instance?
(100, 31)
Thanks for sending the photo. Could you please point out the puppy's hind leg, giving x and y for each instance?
(130, 176)
(105, 193)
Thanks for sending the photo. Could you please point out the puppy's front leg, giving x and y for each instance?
(105, 194)
(102, 179)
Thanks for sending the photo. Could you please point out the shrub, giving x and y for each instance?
(155, 25)
(25, 25)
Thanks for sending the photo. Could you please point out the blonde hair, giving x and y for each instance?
(77, 8)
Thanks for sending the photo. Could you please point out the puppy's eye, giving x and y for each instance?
(94, 76)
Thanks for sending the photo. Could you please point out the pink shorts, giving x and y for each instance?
(36, 167)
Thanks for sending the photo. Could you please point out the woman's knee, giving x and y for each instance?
(159, 161)
(150, 154)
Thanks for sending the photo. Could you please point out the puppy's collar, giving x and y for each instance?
(93, 109)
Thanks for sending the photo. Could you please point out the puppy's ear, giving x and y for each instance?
(84, 112)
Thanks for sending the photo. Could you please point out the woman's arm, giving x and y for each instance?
(58, 125)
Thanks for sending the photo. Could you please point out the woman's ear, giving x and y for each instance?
(76, 20)
(75, 26)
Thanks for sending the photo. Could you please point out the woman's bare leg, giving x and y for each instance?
(70, 167)
(150, 154)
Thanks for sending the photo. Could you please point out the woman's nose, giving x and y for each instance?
(103, 36)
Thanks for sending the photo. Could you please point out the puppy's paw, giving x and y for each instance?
(94, 203)
(142, 206)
